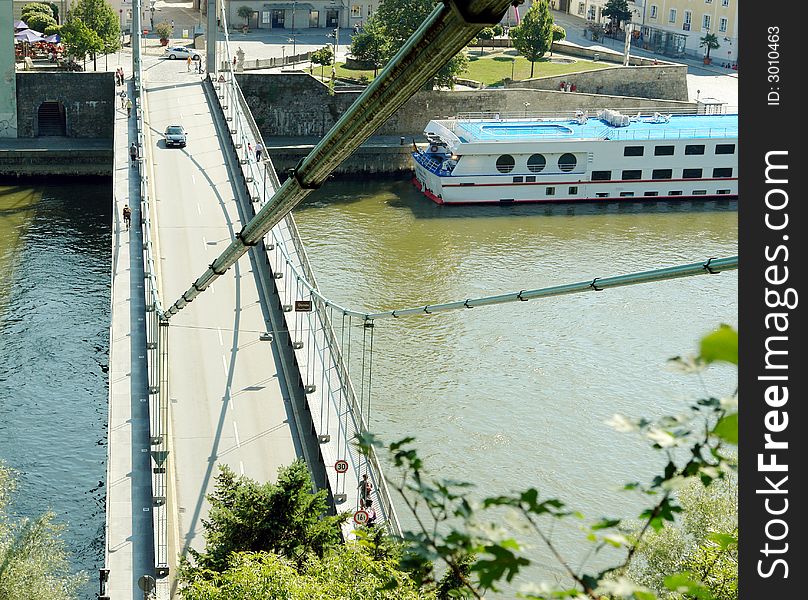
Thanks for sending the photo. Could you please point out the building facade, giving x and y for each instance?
(286, 14)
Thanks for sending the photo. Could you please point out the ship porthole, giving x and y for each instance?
(536, 163)
(433, 148)
(567, 162)
(505, 163)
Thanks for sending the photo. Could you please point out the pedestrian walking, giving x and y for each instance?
(249, 150)
(259, 149)
(128, 107)
(133, 153)
(123, 98)
(127, 216)
(365, 488)
(188, 63)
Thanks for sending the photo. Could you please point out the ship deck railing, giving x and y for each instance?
(431, 165)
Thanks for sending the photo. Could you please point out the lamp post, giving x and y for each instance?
(526, 105)
(513, 63)
(294, 33)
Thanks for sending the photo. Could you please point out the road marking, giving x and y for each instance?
(235, 430)
(219, 331)
(193, 179)
(224, 363)
(241, 466)
(199, 210)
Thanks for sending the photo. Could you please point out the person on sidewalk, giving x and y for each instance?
(127, 216)
(128, 107)
(133, 153)
(188, 63)
(259, 149)
(123, 98)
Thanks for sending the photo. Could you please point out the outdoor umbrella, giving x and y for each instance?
(20, 25)
(53, 39)
(29, 35)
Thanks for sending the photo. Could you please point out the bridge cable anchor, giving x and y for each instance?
(215, 272)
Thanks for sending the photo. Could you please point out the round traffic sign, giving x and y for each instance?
(361, 517)
(341, 466)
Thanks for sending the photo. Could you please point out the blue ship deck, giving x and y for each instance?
(640, 128)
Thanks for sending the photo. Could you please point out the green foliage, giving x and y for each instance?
(80, 40)
(534, 35)
(35, 8)
(39, 21)
(323, 56)
(99, 17)
(245, 12)
(52, 29)
(369, 46)
(164, 30)
(617, 11)
(285, 518)
(346, 572)
(597, 30)
(709, 41)
(486, 33)
(33, 559)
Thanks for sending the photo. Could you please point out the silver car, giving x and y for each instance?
(173, 52)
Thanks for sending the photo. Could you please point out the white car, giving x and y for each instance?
(173, 52)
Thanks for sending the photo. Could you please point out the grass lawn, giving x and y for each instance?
(491, 68)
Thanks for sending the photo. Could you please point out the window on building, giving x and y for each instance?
(356, 11)
(567, 162)
(573, 190)
(266, 17)
(530, 179)
(505, 163)
(694, 149)
(601, 175)
(662, 174)
(691, 173)
(581, 8)
(536, 163)
(724, 2)
(708, 1)
(518, 179)
(663, 151)
(626, 194)
(686, 21)
(699, 192)
(632, 174)
(723, 192)
(633, 151)
(725, 148)
(722, 172)
(675, 193)
(722, 24)
(672, 16)
(549, 191)
(652, 193)
(602, 195)
(705, 22)
(653, 13)
(688, 17)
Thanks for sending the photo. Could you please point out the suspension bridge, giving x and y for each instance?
(249, 365)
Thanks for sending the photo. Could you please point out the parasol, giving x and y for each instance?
(53, 39)
(29, 35)
(20, 25)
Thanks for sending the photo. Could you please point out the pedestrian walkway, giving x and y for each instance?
(129, 550)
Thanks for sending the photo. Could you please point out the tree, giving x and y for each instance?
(617, 11)
(99, 16)
(534, 35)
(35, 7)
(709, 41)
(369, 46)
(53, 29)
(33, 559)
(398, 19)
(164, 30)
(80, 40)
(559, 33)
(245, 12)
(486, 33)
(323, 56)
(284, 518)
(39, 21)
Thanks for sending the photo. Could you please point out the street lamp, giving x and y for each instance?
(513, 63)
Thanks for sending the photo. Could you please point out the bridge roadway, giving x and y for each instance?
(228, 402)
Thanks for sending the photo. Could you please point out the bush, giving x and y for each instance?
(51, 29)
(164, 30)
(39, 21)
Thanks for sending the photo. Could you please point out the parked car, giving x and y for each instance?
(173, 52)
(175, 135)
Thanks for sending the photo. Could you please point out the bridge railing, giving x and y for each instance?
(156, 344)
(336, 408)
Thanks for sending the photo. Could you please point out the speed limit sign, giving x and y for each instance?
(341, 466)
(360, 517)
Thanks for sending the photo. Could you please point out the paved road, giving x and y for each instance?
(226, 400)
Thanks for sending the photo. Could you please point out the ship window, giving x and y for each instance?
(633, 151)
(601, 175)
(602, 195)
(470, 183)
(662, 174)
(505, 163)
(567, 162)
(530, 179)
(722, 192)
(632, 174)
(536, 163)
(517, 179)
(699, 192)
(725, 148)
(550, 191)
(722, 172)
(652, 193)
(694, 149)
(691, 173)
(573, 189)
(626, 194)
(675, 193)
(663, 151)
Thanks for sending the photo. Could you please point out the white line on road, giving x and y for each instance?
(193, 179)
(224, 363)
(219, 331)
(198, 209)
(235, 430)
(241, 466)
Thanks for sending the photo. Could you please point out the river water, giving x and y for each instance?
(506, 397)
(54, 341)
(516, 395)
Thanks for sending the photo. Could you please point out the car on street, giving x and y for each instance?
(173, 52)
(175, 135)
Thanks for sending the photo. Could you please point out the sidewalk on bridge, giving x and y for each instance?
(129, 550)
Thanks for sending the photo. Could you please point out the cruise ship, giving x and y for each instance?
(607, 156)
